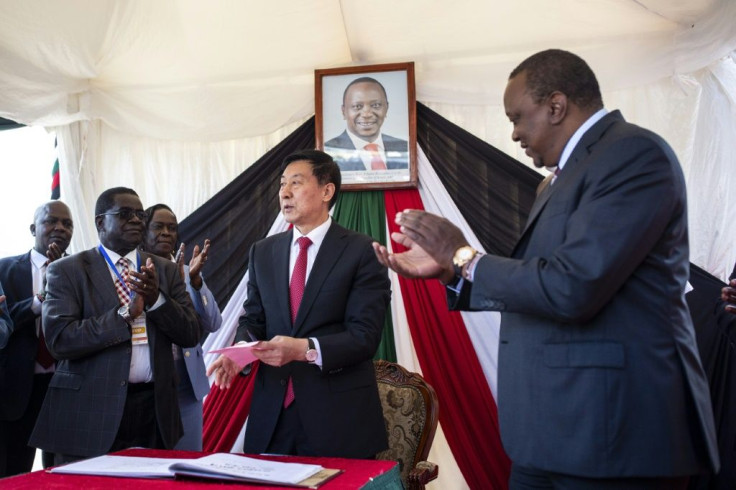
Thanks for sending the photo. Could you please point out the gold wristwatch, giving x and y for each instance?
(462, 256)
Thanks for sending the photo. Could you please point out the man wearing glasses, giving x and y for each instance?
(110, 316)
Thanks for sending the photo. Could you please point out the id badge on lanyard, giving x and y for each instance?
(138, 328)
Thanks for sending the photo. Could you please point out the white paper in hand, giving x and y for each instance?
(240, 353)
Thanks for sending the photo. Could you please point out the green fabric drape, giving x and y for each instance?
(365, 212)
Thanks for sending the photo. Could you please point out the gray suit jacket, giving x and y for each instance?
(344, 307)
(347, 157)
(84, 404)
(598, 370)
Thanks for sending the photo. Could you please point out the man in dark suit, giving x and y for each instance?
(599, 380)
(110, 316)
(315, 392)
(26, 366)
(362, 146)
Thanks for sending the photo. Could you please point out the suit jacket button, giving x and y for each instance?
(187, 353)
(122, 383)
(283, 382)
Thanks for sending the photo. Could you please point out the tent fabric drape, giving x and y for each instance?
(224, 412)
(492, 190)
(450, 364)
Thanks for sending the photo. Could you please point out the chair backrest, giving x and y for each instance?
(410, 411)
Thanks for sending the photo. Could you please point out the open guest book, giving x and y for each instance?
(221, 466)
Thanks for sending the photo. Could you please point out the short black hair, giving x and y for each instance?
(155, 208)
(323, 167)
(557, 70)
(364, 80)
(107, 199)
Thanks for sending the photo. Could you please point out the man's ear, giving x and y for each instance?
(33, 229)
(329, 191)
(342, 108)
(98, 223)
(557, 103)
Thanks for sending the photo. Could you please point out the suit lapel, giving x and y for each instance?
(99, 275)
(573, 167)
(23, 276)
(327, 258)
(280, 259)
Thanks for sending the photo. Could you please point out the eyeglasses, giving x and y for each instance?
(126, 214)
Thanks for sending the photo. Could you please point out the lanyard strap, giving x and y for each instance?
(115, 269)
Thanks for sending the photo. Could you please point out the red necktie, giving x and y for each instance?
(122, 289)
(377, 162)
(296, 291)
(43, 356)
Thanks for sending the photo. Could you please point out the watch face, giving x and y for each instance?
(463, 255)
(311, 355)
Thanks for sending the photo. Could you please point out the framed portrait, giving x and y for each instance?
(365, 118)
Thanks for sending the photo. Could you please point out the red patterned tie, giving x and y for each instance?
(123, 294)
(296, 291)
(43, 356)
(377, 162)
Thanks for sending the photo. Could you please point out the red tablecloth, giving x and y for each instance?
(358, 473)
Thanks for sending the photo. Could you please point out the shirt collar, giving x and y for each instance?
(577, 136)
(132, 256)
(359, 143)
(317, 235)
(38, 259)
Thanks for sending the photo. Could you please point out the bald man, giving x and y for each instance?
(27, 366)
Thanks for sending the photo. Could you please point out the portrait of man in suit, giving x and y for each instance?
(110, 317)
(596, 340)
(362, 146)
(317, 298)
(26, 366)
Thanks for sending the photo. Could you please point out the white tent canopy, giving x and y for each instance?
(176, 97)
(173, 95)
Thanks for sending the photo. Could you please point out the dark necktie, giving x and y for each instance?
(377, 162)
(296, 291)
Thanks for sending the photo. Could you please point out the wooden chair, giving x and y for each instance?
(410, 412)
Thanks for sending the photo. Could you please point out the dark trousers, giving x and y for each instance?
(289, 437)
(523, 478)
(16, 456)
(138, 427)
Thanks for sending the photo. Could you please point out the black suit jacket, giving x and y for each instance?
(84, 403)
(344, 305)
(6, 323)
(347, 156)
(598, 370)
(18, 358)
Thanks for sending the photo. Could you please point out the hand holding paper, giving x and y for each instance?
(231, 361)
(241, 353)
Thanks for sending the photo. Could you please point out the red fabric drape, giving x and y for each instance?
(225, 411)
(468, 412)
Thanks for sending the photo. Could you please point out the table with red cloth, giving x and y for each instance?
(358, 474)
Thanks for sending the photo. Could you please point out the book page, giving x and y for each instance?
(243, 468)
(124, 466)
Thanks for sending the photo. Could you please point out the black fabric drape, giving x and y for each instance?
(715, 331)
(493, 191)
(8, 124)
(240, 214)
